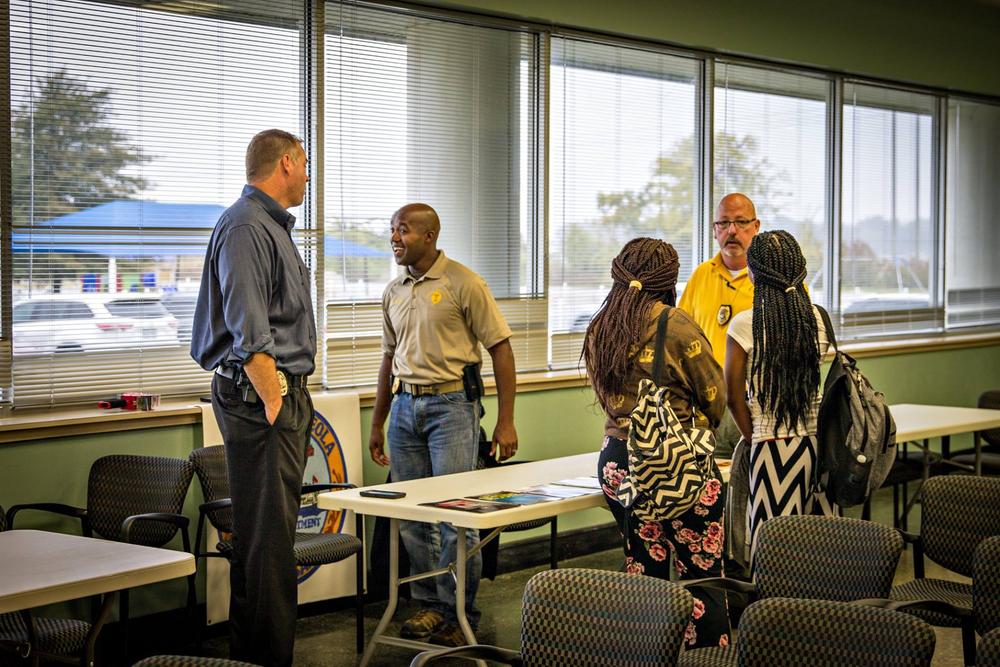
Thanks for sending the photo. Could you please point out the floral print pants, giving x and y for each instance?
(694, 540)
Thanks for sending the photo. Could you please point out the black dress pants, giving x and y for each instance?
(266, 463)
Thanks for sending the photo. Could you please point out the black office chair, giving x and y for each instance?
(135, 499)
(311, 549)
(786, 632)
(986, 585)
(810, 557)
(990, 452)
(189, 661)
(64, 640)
(958, 512)
(989, 650)
(576, 616)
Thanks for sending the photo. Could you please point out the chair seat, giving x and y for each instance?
(322, 548)
(313, 548)
(953, 592)
(713, 656)
(189, 661)
(60, 636)
(527, 525)
(990, 462)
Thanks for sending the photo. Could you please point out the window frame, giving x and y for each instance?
(311, 236)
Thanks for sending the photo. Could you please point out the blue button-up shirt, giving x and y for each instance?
(255, 294)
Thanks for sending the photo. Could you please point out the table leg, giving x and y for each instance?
(977, 441)
(461, 570)
(390, 609)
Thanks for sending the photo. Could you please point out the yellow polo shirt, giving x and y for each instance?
(433, 325)
(709, 289)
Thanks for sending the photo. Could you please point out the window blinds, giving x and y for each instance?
(422, 109)
(130, 124)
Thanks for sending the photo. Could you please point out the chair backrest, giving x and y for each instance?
(213, 475)
(986, 585)
(825, 558)
(988, 651)
(122, 485)
(3, 519)
(188, 661)
(780, 632)
(957, 513)
(990, 400)
(579, 616)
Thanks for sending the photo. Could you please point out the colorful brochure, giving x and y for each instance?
(584, 482)
(514, 497)
(471, 505)
(558, 491)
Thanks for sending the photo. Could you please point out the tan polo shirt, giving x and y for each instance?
(432, 325)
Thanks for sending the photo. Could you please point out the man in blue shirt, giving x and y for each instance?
(254, 326)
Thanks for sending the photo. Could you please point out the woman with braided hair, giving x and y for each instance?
(784, 339)
(618, 352)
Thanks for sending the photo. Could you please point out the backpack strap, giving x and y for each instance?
(661, 337)
(830, 336)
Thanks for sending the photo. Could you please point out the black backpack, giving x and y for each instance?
(856, 434)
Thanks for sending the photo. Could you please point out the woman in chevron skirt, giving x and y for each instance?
(775, 349)
(618, 354)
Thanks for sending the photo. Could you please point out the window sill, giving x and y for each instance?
(56, 422)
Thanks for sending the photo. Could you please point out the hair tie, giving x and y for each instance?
(636, 284)
(790, 288)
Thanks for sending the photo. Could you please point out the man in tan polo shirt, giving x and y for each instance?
(435, 315)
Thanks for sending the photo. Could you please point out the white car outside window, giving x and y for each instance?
(65, 323)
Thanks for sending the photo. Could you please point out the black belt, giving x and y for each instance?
(238, 375)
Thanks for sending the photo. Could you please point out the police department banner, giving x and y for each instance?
(333, 455)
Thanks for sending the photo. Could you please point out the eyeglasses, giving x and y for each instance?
(740, 224)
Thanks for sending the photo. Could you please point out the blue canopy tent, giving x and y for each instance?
(129, 229)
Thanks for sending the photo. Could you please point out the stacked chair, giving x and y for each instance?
(814, 558)
(786, 632)
(130, 498)
(311, 549)
(958, 512)
(189, 661)
(577, 616)
(986, 600)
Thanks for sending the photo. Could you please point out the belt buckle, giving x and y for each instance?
(283, 383)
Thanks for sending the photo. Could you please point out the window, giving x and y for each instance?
(771, 138)
(888, 234)
(973, 235)
(624, 162)
(446, 113)
(129, 126)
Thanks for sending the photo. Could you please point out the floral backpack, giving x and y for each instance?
(668, 463)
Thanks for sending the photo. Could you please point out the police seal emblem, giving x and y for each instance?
(325, 464)
(725, 312)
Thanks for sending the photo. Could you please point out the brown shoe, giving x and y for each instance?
(421, 625)
(449, 635)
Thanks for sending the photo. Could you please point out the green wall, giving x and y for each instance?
(930, 42)
(549, 423)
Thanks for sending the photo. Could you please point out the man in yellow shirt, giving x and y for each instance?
(720, 288)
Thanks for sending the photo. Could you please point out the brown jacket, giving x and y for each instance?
(691, 374)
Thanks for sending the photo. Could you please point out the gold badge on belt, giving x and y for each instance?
(283, 383)
(725, 312)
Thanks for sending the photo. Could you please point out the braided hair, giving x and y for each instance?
(784, 374)
(644, 273)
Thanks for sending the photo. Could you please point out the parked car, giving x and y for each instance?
(60, 323)
(181, 305)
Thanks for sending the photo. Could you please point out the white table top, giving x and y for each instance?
(917, 422)
(446, 487)
(39, 567)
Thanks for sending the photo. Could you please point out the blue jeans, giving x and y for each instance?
(431, 436)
